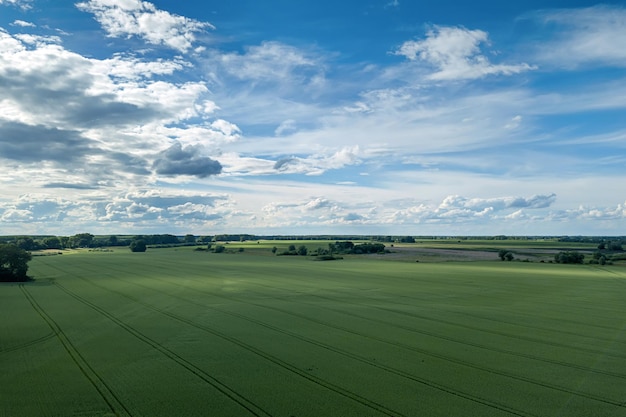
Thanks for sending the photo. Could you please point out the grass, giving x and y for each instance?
(178, 332)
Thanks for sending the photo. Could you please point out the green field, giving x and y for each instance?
(175, 332)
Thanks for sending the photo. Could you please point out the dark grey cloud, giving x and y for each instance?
(67, 149)
(129, 163)
(535, 202)
(26, 143)
(177, 160)
(172, 201)
(74, 186)
(281, 163)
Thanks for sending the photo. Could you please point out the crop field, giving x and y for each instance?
(178, 332)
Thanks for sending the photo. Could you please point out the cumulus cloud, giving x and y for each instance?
(142, 19)
(65, 87)
(592, 213)
(456, 202)
(177, 160)
(149, 209)
(455, 52)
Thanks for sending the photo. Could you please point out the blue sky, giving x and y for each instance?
(282, 117)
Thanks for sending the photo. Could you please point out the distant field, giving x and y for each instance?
(175, 332)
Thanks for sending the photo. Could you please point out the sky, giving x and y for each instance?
(370, 117)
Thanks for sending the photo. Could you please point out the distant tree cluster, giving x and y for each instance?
(349, 247)
(611, 246)
(293, 251)
(234, 238)
(569, 257)
(600, 258)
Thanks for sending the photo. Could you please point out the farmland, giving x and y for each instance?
(178, 332)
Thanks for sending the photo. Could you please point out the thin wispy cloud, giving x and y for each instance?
(590, 36)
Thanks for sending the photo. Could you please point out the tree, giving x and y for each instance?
(189, 238)
(13, 263)
(138, 246)
(302, 250)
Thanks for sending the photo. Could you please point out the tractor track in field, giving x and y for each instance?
(436, 320)
(356, 357)
(610, 312)
(316, 380)
(526, 314)
(449, 322)
(313, 378)
(396, 344)
(116, 406)
(28, 344)
(224, 389)
(407, 328)
(619, 277)
(512, 323)
(392, 370)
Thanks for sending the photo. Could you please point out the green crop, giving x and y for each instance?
(174, 332)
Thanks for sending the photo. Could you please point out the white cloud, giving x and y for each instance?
(107, 119)
(287, 126)
(128, 67)
(394, 152)
(317, 164)
(456, 54)
(514, 122)
(594, 35)
(140, 18)
(276, 63)
(22, 23)
(23, 4)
